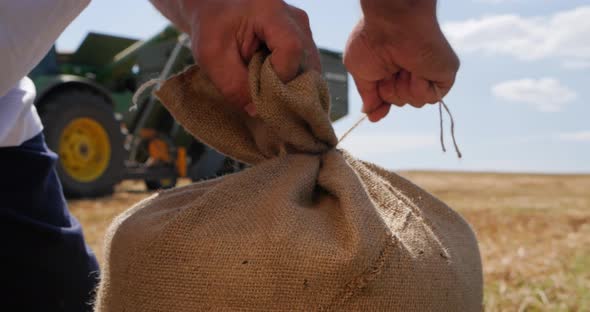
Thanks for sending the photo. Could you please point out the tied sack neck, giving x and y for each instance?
(291, 118)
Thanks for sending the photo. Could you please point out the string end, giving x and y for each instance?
(441, 104)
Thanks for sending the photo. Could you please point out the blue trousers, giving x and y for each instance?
(45, 265)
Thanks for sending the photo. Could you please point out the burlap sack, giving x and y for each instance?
(306, 228)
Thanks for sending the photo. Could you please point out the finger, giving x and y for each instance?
(311, 52)
(250, 109)
(369, 94)
(249, 47)
(388, 93)
(443, 89)
(402, 87)
(313, 60)
(287, 56)
(285, 42)
(421, 91)
(379, 113)
(226, 69)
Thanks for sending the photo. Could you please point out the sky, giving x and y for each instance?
(519, 102)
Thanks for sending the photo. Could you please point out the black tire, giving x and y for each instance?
(144, 158)
(210, 164)
(58, 111)
(162, 184)
(231, 165)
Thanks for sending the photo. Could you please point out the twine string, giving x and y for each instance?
(441, 129)
(356, 124)
(141, 90)
(441, 104)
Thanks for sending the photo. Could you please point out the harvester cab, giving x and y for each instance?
(84, 99)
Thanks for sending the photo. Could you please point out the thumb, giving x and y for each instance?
(282, 38)
(229, 74)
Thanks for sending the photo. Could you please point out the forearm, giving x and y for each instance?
(398, 10)
(28, 28)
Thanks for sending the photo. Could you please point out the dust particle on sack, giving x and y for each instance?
(305, 284)
(245, 262)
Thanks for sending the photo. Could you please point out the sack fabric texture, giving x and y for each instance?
(306, 228)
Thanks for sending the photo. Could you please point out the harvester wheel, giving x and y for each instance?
(210, 164)
(162, 184)
(154, 152)
(80, 126)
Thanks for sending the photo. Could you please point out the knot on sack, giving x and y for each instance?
(291, 117)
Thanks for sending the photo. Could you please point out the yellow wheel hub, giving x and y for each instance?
(84, 149)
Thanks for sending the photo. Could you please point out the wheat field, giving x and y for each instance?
(533, 231)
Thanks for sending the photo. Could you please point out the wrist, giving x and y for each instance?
(399, 15)
(394, 9)
(401, 22)
(389, 9)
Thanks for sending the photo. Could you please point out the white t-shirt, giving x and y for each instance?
(28, 29)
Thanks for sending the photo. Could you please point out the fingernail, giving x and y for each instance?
(250, 109)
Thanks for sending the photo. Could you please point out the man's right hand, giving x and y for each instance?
(397, 53)
(225, 35)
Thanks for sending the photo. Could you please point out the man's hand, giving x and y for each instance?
(225, 35)
(395, 54)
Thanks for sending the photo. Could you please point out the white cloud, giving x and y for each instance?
(372, 145)
(545, 94)
(576, 64)
(563, 35)
(580, 136)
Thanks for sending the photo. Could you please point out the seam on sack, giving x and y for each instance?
(406, 199)
(359, 283)
(414, 210)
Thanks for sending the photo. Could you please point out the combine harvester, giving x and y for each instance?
(84, 100)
